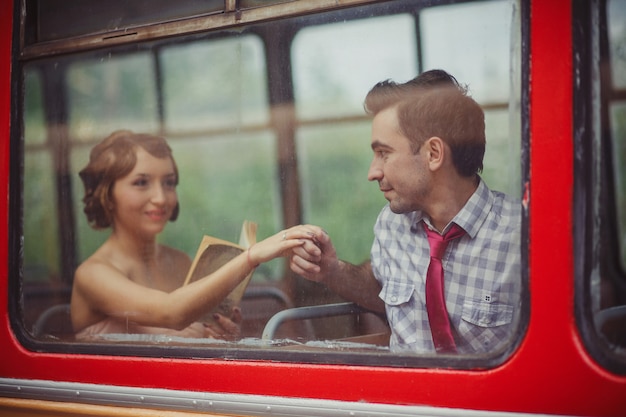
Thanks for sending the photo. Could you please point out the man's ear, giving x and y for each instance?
(436, 151)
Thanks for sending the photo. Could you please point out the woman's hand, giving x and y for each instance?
(223, 327)
(281, 244)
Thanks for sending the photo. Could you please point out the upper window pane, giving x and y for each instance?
(112, 92)
(58, 19)
(34, 122)
(215, 84)
(475, 53)
(475, 49)
(617, 38)
(329, 63)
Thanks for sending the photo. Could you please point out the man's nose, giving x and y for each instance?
(375, 172)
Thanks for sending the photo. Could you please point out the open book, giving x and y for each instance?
(212, 254)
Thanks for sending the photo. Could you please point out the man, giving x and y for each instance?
(428, 139)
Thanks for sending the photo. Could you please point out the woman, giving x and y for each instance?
(132, 284)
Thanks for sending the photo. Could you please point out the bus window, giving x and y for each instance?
(329, 88)
(107, 93)
(474, 51)
(266, 123)
(41, 269)
(328, 63)
(617, 48)
(49, 17)
(602, 307)
(214, 84)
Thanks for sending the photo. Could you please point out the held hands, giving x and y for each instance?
(281, 244)
(316, 259)
(312, 255)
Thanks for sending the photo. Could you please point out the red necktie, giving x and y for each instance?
(435, 301)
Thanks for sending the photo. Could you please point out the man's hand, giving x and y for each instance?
(316, 260)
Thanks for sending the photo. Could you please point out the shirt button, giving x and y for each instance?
(394, 298)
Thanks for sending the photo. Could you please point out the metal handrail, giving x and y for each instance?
(309, 312)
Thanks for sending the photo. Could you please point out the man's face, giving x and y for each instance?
(403, 176)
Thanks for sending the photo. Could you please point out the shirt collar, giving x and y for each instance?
(470, 217)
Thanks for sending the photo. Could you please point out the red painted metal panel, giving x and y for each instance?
(550, 373)
(6, 24)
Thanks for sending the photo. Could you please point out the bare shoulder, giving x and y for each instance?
(94, 267)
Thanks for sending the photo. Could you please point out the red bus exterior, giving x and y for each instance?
(551, 372)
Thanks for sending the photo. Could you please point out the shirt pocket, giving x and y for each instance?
(487, 314)
(400, 307)
(396, 294)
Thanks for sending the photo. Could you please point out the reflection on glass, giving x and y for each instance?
(607, 280)
(41, 250)
(475, 49)
(473, 53)
(502, 170)
(58, 19)
(227, 179)
(608, 229)
(336, 64)
(34, 123)
(238, 158)
(325, 154)
(112, 93)
(217, 84)
(616, 13)
(618, 134)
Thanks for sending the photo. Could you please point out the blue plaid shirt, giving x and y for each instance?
(481, 271)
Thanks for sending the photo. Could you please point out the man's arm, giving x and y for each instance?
(317, 261)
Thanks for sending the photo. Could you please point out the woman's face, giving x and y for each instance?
(145, 198)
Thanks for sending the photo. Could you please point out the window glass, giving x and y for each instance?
(477, 52)
(329, 63)
(244, 4)
(503, 149)
(324, 162)
(604, 198)
(88, 239)
(477, 49)
(616, 13)
(618, 133)
(57, 19)
(41, 230)
(617, 38)
(215, 84)
(266, 123)
(112, 93)
(221, 186)
(334, 158)
(34, 122)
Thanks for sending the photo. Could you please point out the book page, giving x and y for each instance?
(212, 254)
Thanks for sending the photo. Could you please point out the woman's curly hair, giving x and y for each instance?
(114, 158)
